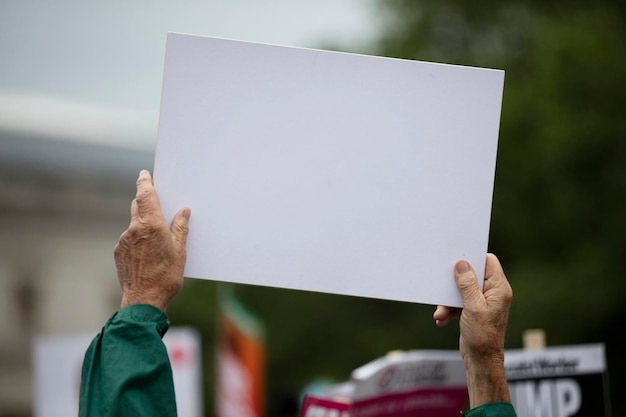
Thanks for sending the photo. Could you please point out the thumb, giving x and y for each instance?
(466, 282)
(180, 227)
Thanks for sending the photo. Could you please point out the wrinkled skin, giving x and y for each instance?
(150, 254)
(482, 324)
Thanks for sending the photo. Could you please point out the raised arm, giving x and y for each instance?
(126, 369)
(482, 323)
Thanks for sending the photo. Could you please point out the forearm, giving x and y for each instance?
(486, 381)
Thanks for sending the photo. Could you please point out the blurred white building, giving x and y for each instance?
(65, 195)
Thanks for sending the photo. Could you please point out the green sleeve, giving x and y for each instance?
(126, 370)
(492, 410)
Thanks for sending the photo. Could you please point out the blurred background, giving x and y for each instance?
(80, 87)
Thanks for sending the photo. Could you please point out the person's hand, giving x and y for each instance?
(150, 255)
(483, 321)
(484, 316)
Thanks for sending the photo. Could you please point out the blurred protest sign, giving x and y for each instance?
(240, 354)
(401, 384)
(559, 381)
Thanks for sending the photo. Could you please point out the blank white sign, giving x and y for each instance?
(327, 171)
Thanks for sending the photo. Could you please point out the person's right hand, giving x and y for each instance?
(484, 316)
(150, 255)
(482, 324)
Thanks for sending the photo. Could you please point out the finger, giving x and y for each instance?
(468, 285)
(147, 199)
(496, 288)
(494, 273)
(180, 227)
(444, 315)
(441, 312)
(134, 210)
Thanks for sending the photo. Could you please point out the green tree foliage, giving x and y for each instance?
(558, 222)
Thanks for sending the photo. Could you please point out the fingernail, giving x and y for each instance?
(437, 310)
(462, 267)
(186, 213)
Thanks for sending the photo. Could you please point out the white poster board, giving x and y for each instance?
(327, 171)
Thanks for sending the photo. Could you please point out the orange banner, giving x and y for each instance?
(240, 363)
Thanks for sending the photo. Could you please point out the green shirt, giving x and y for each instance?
(492, 410)
(126, 370)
